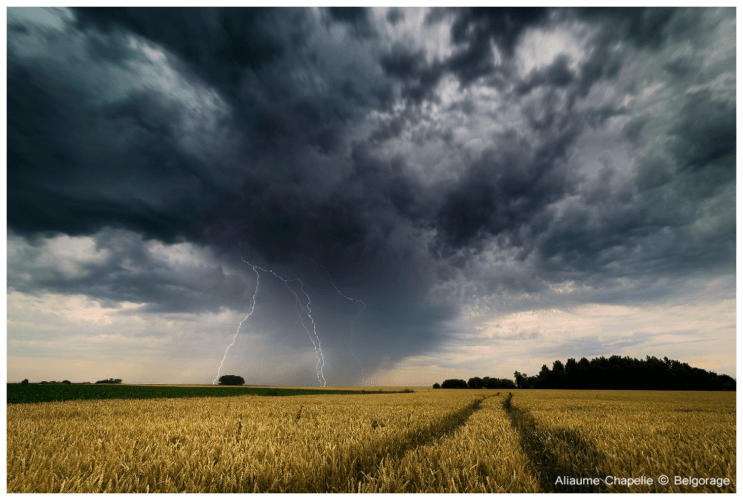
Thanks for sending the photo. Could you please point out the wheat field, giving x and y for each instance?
(427, 441)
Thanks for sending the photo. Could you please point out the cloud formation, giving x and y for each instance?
(521, 159)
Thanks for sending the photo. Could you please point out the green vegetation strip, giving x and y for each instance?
(33, 393)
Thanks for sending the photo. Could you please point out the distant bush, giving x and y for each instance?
(436, 386)
(43, 382)
(110, 381)
(65, 382)
(231, 380)
(25, 381)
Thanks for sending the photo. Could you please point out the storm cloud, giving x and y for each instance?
(442, 165)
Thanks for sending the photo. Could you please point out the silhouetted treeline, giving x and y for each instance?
(477, 383)
(617, 372)
(110, 381)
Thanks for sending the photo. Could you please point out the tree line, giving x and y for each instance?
(477, 383)
(105, 381)
(615, 372)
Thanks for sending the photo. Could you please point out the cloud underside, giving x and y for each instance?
(442, 164)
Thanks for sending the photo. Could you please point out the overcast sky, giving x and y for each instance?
(458, 192)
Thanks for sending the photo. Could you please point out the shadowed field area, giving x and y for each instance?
(34, 393)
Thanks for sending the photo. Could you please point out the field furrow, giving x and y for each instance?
(481, 456)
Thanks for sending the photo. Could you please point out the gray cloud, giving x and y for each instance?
(423, 182)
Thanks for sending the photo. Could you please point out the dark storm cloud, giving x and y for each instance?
(147, 160)
(472, 32)
(507, 191)
(395, 15)
(608, 231)
(239, 51)
(75, 170)
(410, 67)
(475, 28)
(557, 74)
(216, 44)
(704, 132)
(503, 191)
(358, 18)
(311, 152)
(644, 27)
(78, 166)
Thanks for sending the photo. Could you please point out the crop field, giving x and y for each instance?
(426, 441)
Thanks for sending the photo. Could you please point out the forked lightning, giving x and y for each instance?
(301, 308)
(234, 338)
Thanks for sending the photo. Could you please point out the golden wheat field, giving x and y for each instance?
(427, 441)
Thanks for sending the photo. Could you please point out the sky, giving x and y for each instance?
(367, 196)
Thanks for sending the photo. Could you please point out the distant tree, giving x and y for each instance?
(571, 373)
(66, 382)
(25, 381)
(43, 382)
(231, 380)
(583, 374)
(110, 381)
(505, 383)
(522, 380)
(727, 383)
(454, 384)
(475, 383)
(498, 383)
(558, 375)
(436, 386)
(544, 378)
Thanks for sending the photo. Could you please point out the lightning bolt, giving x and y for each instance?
(363, 306)
(303, 309)
(252, 308)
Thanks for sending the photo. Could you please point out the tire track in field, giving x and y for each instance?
(362, 460)
(546, 464)
(442, 428)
